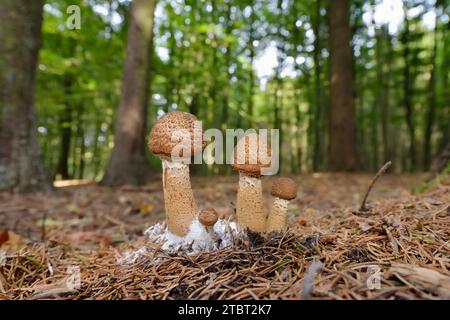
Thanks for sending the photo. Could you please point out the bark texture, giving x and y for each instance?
(343, 154)
(128, 164)
(21, 168)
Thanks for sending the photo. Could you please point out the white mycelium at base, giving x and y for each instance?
(197, 240)
(129, 257)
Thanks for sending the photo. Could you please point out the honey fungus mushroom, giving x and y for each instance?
(284, 190)
(247, 159)
(177, 130)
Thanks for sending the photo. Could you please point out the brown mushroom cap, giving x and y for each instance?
(284, 188)
(160, 141)
(208, 217)
(246, 157)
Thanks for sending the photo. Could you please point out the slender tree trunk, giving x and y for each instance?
(65, 129)
(180, 76)
(445, 118)
(212, 118)
(297, 41)
(317, 155)
(278, 99)
(431, 112)
(170, 85)
(80, 147)
(128, 164)
(81, 160)
(95, 147)
(194, 105)
(408, 85)
(298, 124)
(21, 167)
(226, 89)
(251, 84)
(277, 107)
(378, 99)
(385, 93)
(343, 154)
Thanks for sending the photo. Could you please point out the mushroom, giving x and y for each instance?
(181, 208)
(208, 217)
(247, 160)
(284, 190)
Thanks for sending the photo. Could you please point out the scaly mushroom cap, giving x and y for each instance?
(208, 217)
(249, 153)
(170, 130)
(284, 188)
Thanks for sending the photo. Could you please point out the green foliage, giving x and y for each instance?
(202, 63)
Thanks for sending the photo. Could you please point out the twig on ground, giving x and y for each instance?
(379, 173)
(43, 230)
(429, 279)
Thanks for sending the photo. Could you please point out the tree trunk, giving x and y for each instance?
(431, 112)
(298, 86)
(385, 90)
(128, 164)
(95, 149)
(79, 144)
(378, 99)
(226, 88)
(250, 101)
(408, 86)
(21, 167)
(343, 155)
(444, 117)
(65, 130)
(170, 85)
(278, 99)
(317, 155)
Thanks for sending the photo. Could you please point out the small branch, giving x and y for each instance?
(379, 173)
(43, 229)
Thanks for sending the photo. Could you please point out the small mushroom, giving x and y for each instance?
(208, 217)
(284, 190)
(247, 160)
(181, 208)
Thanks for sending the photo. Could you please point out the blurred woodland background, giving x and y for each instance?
(350, 84)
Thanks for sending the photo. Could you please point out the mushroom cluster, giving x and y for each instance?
(175, 141)
(249, 159)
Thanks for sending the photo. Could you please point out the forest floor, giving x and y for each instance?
(398, 249)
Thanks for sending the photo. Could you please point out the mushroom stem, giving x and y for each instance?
(277, 217)
(250, 209)
(181, 209)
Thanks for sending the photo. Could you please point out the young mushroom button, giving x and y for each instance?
(177, 130)
(284, 190)
(208, 217)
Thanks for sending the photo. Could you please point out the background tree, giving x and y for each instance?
(128, 164)
(20, 30)
(343, 155)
